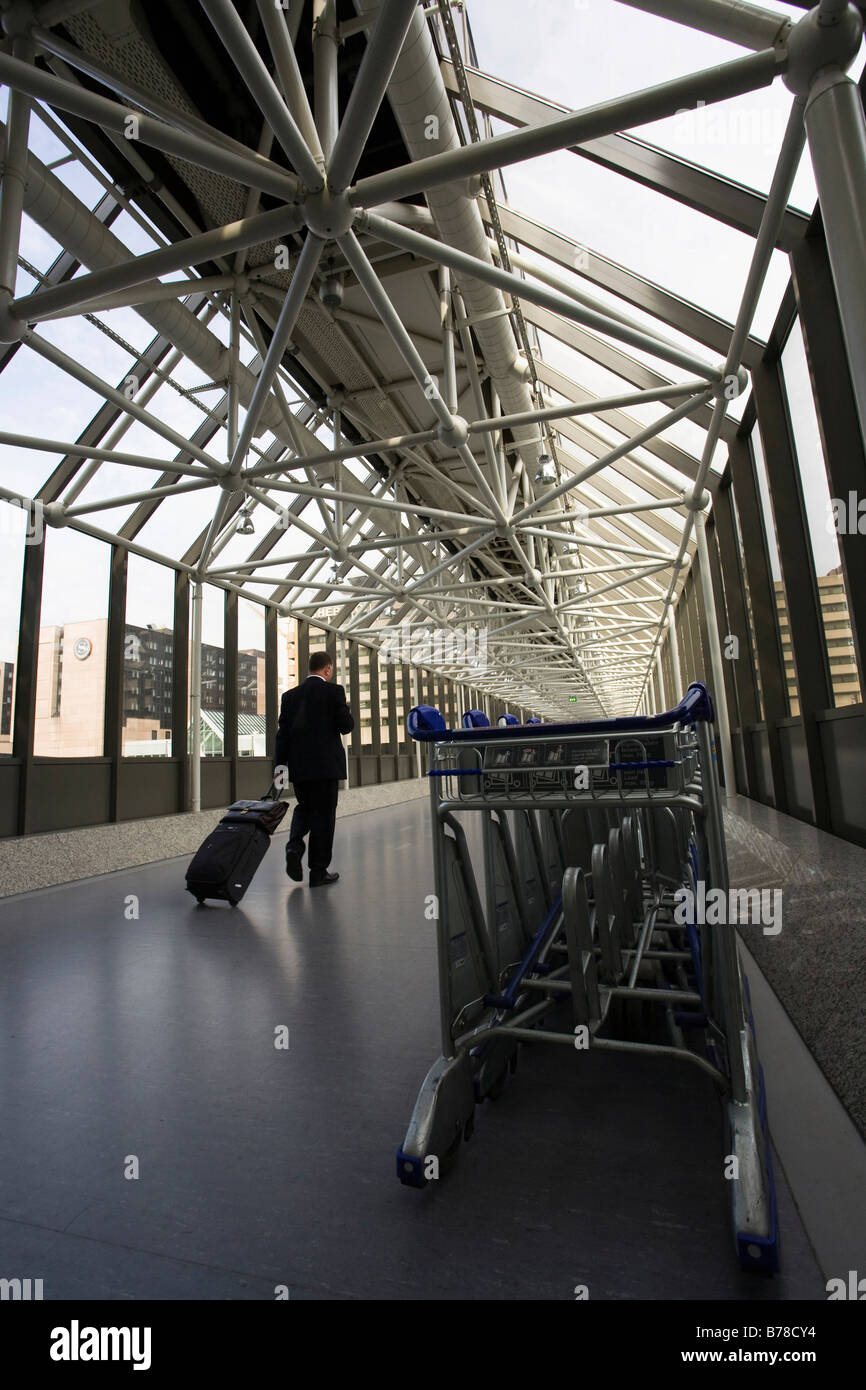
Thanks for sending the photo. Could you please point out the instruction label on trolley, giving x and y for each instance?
(577, 765)
(541, 766)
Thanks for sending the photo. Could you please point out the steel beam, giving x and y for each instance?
(101, 388)
(681, 314)
(167, 259)
(743, 663)
(765, 618)
(723, 724)
(622, 113)
(325, 77)
(535, 293)
(148, 293)
(837, 142)
(14, 177)
(368, 91)
(843, 442)
(367, 277)
(264, 91)
(783, 177)
(749, 25)
(608, 355)
(139, 97)
(300, 284)
(575, 479)
(249, 169)
(797, 563)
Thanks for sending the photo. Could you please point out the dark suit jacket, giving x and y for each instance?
(312, 717)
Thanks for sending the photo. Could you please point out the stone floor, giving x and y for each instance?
(816, 964)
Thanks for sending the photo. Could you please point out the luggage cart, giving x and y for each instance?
(590, 832)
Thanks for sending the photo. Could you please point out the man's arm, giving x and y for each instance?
(342, 714)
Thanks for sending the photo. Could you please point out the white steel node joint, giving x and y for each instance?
(697, 502)
(328, 215)
(455, 434)
(724, 386)
(814, 45)
(12, 329)
(54, 514)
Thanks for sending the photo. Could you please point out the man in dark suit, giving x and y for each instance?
(312, 718)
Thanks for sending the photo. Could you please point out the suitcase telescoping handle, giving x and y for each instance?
(274, 792)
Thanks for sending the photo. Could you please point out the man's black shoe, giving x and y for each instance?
(319, 880)
(293, 865)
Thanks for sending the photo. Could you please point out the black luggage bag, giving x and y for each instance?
(225, 865)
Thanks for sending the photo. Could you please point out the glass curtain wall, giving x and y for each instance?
(824, 521)
(73, 638)
(148, 653)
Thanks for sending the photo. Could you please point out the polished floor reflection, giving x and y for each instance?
(146, 1044)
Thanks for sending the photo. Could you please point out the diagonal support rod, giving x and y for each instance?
(244, 54)
(449, 431)
(377, 65)
(297, 293)
(608, 117)
(250, 169)
(140, 269)
(536, 293)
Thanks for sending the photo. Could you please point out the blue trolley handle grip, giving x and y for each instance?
(426, 725)
(456, 772)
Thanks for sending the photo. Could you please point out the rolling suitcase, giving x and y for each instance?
(227, 861)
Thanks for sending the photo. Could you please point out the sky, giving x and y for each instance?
(574, 52)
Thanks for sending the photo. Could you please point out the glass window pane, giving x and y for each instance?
(753, 646)
(252, 739)
(384, 707)
(70, 673)
(791, 691)
(400, 712)
(363, 717)
(147, 660)
(213, 672)
(13, 535)
(832, 592)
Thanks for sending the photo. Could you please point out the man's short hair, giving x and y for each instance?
(319, 660)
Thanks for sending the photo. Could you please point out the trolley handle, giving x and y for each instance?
(455, 772)
(426, 725)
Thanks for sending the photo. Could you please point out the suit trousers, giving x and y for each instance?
(315, 815)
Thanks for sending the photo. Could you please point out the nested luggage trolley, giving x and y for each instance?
(577, 900)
